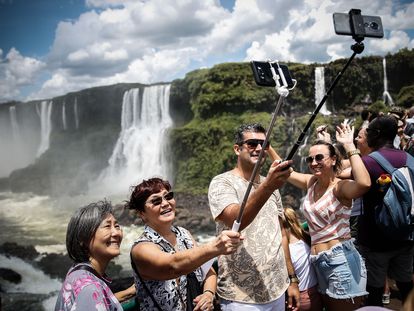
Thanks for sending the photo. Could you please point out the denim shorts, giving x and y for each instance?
(341, 271)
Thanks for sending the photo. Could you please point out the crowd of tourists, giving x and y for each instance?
(328, 254)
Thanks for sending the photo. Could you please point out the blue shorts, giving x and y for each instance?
(341, 271)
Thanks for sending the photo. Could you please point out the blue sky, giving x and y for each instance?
(51, 47)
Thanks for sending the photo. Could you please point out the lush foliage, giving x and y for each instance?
(225, 96)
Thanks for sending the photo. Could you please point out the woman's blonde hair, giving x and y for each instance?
(292, 224)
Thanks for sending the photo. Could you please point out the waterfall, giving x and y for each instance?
(65, 126)
(140, 151)
(14, 124)
(75, 111)
(45, 126)
(320, 89)
(386, 96)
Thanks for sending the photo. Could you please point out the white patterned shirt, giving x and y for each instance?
(256, 273)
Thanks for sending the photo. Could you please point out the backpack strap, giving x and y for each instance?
(410, 162)
(383, 162)
(88, 268)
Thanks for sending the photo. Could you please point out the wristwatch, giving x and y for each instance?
(293, 278)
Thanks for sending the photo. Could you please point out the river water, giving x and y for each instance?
(41, 221)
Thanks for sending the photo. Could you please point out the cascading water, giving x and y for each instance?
(45, 126)
(14, 124)
(75, 110)
(64, 123)
(386, 96)
(140, 151)
(320, 89)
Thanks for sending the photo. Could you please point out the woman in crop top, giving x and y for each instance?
(327, 207)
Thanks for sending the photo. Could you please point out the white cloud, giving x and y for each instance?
(396, 41)
(156, 40)
(17, 71)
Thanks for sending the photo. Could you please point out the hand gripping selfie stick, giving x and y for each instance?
(283, 91)
(357, 47)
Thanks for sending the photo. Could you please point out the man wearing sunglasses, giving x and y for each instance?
(258, 274)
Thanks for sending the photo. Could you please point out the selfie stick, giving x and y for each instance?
(283, 91)
(358, 47)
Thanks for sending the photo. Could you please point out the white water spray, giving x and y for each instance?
(14, 124)
(75, 110)
(33, 280)
(65, 125)
(45, 126)
(320, 89)
(140, 151)
(386, 96)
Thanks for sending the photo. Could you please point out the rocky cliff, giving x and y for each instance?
(206, 106)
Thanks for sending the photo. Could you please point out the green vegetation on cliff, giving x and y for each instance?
(217, 100)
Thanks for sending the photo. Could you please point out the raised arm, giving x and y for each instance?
(154, 264)
(350, 189)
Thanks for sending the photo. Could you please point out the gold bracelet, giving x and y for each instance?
(353, 152)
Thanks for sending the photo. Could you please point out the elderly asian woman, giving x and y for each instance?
(93, 239)
(164, 254)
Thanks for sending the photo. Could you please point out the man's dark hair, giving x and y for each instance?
(82, 228)
(141, 192)
(381, 131)
(253, 128)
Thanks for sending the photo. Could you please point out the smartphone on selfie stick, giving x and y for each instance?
(352, 24)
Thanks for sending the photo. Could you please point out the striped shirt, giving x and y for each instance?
(328, 219)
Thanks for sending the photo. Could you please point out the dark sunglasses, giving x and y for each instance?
(252, 143)
(318, 158)
(158, 200)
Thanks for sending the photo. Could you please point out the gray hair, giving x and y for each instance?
(82, 228)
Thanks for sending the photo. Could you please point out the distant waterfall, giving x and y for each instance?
(140, 150)
(45, 126)
(65, 125)
(320, 89)
(386, 96)
(14, 124)
(75, 111)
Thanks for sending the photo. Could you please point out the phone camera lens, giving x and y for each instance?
(374, 26)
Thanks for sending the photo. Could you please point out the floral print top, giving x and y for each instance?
(169, 294)
(82, 290)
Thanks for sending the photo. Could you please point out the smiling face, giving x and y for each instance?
(106, 243)
(159, 209)
(248, 153)
(322, 163)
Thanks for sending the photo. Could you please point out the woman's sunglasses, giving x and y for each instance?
(158, 200)
(252, 143)
(318, 158)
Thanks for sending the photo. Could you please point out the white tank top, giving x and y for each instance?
(299, 253)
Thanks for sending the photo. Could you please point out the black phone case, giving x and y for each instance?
(263, 75)
(372, 25)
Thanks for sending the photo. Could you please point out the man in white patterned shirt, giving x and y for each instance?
(258, 274)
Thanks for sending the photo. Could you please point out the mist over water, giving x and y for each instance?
(19, 139)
